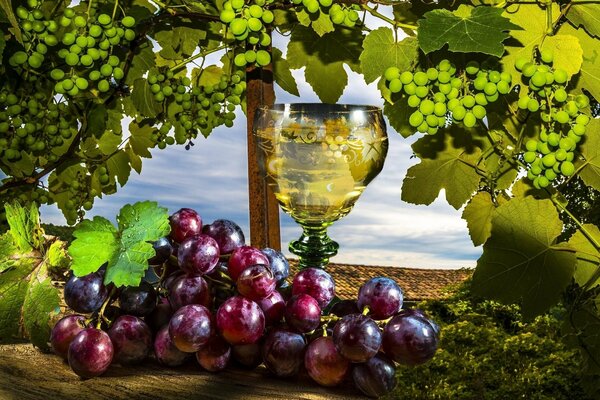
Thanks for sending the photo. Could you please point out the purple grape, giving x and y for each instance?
(161, 315)
(63, 333)
(214, 355)
(131, 339)
(138, 301)
(190, 327)
(166, 284)
(184, 224)
(410, 338)
(279, 264)
(85, 294)
(316, 283)
(323, 362)
(382, 295)
(227, 233)
(186, 290)
(165, 350)
(247, 355)
(256, 282)
(357, 337)
(283, 352)
(302, 313)
(242, 258)
(90, 353)
(163, 249)
(376, 377)
(273, 306)
(418, 312)
(344, 307)
(198, 255)
(240, 321)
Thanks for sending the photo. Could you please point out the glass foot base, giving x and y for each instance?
(314, 248)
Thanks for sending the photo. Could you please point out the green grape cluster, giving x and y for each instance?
(79, 194)
(89, 56)
(248, 23)
(340, 14)
(39, 34)
(199, 108)
(443, 91)
(564, 117)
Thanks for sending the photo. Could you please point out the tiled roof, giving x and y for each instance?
(417, 284)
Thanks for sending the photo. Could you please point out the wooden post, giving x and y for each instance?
(264, 210)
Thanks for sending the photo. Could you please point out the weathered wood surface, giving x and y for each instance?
(26, 373)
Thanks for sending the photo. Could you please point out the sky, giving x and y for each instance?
(383, 230)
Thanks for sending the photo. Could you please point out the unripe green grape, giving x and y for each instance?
(494, 76)
(444, 77)
(423, 128)
(86, 60)
(582, 101)
(58, 88)
(459, 113)
(440, 109)
(479, 111)
(238, 26)
(549, 160)
(444, 65)
(520, 63)
(74, 91)
(265, 39)
(432, 121)
(582, 119)
(560, 76)
(472, 67)
(254, 24)
(550, 174)
(547, 56)
(68, 39)
(113, 61)
(539, 79)
(159, 97)
(414, 101)
(567, 168)
(115, 40)
(337, 17)
(468, 101)
(536, 168)
(79, 21)
(452, 104)
(529, 70)
(353, 15)
(579, 129)
(566, 143)
(129, 35)
(237, 4)
(480, 82)
(410, 88)
(406, 77)
(395, 85)
(267, 16)
(533, 105)
(422, 91)
(529, 156)
(445, 88)
(104, 19)
(392, 73)
(561, 154)
(553, 139)
(490, 89)
(426, 107)
(253, 38)
(439, 97)
(20, 57)
(543, 148)
(250, 56)
(104, 45)
(481, 99)
(75, 49)
(263, 58)
(106, 70)
(415, 119)
(128, 22)
(503, 87)
(560, 95)
(94, 75)
(523, 102)
(561, 117)
(432, 74)
(95, 31)
(81, 83)
(420, 78)
(103, 85)
(469, 120)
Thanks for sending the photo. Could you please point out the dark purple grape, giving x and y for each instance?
(323, 362)
(166, 352)
(283, 352)
(418, 312)
(302, 313)
(382, 295)
(63, 333)
(85, 294)
(227, 233)
(357, 337)
(90, 353)
(240, 321)
(166, 284)
(344, 307)
(242, 258)
(186, 290)
(316, 283)
(163, 249)
(247, 355)
(278, 263)
(214, 355)
(184, 224)
(190, 327)
(410, 339)
(256, 282)
(273, 306)
(161, 315)
(138, 301)
(131, 339)
(376, 377)
(198, 255)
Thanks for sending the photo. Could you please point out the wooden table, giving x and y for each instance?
(26, 373)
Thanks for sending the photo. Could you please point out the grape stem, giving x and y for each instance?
(114, 12)
(390, 21)
(108, 300)
(579, 224)
(183, 63)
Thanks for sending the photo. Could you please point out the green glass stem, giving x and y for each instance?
(314, 248)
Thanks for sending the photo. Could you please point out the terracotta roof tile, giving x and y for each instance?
(417, 284)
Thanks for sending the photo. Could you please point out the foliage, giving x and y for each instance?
(487, 351)
(28, 265)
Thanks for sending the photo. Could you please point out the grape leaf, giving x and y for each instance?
(586, 16)
(589, 78)
(24, 226)
(134, 159)
(13, 287)
(381, 50)
(143, 99)
(143, 60)
(96, 119)
(587, 270)
(398, 114)
(2, 46)
(118, 165)
(7, 249)
(6, 6)
(282, 74)
(57, 256)
(521, 262)
(582, 327)
(482, 30)
(208, 76)
(453, 170)
(141, 138)
(324, 58)
(320, 23)
(126, 250)
(479, 213)
(589, 171)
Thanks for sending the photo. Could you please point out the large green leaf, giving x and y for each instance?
(118, 165)
(482, 30)
(381, 50)
(320, 23)
(41, 302)
(521, 262)
(6, 6)
(398, 114)
(7, 249)
(13, 287)
(282, 74)
(587, 271)
(24, 226)
(95, 242)
(453, 169)
(142, 61)
(589, 77)
(479, 213)
(590, 149)
(141, 138)
(324, 58)
(587, 16)
(143, 99)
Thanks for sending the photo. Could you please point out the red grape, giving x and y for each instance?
(64, 331)
(376, 377)
(242, 258)
(186, 290)
(256, 282)
(315, 282)
(160, 316)
(410, 338)
(247, 355)
(131, 338)
(283, 352)
(240, 320)
(90, 353)
(85, 294)
(198, 255)
(214, 355)
(165, 350)
(323, 362)
(278, 263)
(190, 327)
(273, 306)
(302, 313)
(185, 223)
(382, 295)
(138, 301)
(227, 233)
(357, 337)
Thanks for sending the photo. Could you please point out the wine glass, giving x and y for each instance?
(317, 159)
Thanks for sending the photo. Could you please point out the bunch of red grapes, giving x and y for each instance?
(209, 295)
